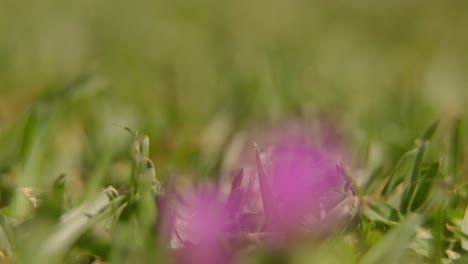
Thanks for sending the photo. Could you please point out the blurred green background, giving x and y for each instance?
(176, 70)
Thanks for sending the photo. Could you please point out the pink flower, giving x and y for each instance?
(200, 227)
(286, 189)
(200, 224)
(294, 176)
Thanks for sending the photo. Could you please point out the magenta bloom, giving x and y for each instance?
(200, 227)
(201, 224)
(294, 177)
(288, 188)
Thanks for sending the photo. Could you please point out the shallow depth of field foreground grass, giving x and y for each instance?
(160, 131)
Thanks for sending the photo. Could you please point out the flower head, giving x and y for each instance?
(201, 223)
(200, 226)
(284, 190)
(294, 174)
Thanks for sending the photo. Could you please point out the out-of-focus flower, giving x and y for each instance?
(298, 181)
(195, 226)
(292, 181)
(200, 224)
(290, 187)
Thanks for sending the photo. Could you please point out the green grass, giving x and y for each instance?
(77, 80)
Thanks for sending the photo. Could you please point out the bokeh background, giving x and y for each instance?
(190, 74)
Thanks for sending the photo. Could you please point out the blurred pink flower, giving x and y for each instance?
(286, 189)
(201, 223)
(200, 227)
(294, 176)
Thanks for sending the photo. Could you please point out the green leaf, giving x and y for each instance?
(455, 151)
(393, 245)
(265, 190)
(428, 174)
(398, 173)
(437, 236)
(458, 232)
(87, 84)
(7, 240)
(29, 133)
(145, 146)
(430, 131)
(373, 180)
(412, 180)
(465, 230)
(54, 201)
(78, 221)
(380, 211)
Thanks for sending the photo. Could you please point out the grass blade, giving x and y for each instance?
(412, 181)
(393, 245)
(425, 186)
(397, 173)
(75, 223)
(374, 178)
(6, 237)
(379, 211)
(465, 229)
(437, 236)
(412, 178)
(454, 152)
(430, 131)
(265, 190)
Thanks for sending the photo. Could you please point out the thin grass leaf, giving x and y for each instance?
(75, 223)
(54, 201)
(147, 170)
(29, 132)
(393, 245)
(430, 131)
(145, 146)
(465, 230)
(428, 175)
(148, 188)
(412, 180)
(457, 231)
(398, 173)
(7, 239)
(32, 149)
(437, 236)
(146, 213)
(380, 211)
(135, 152)
(85, 85)
(455, 151)
(12, 141)
(265, 190)
(373, 180)
(134, 133)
